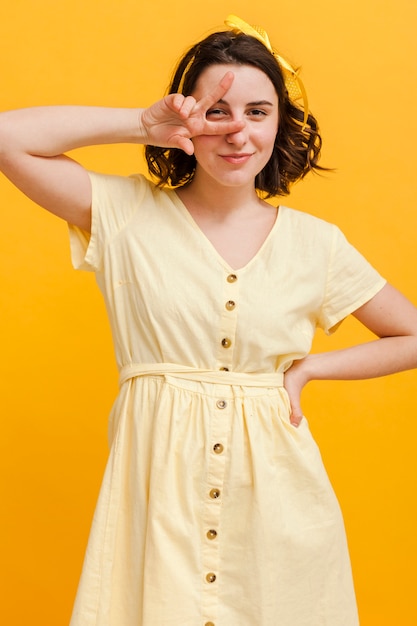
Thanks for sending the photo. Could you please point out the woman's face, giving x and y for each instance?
(234, 160)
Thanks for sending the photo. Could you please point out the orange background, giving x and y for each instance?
(58, 379)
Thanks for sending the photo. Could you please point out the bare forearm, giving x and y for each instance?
(50, 131)
(370, 360)
(389, 315)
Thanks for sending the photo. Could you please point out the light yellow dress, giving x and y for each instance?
(214, 510)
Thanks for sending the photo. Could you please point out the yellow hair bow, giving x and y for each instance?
(293, 82)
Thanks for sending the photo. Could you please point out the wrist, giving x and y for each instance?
(141, 131)
(303, 370)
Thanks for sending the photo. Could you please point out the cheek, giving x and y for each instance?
(204, 145)
(274, 132)
(266, 133)
(267, 138)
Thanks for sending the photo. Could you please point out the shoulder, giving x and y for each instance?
(125, 194)
(316, 239)
(307, 231)
(118, 186)
(306, 221)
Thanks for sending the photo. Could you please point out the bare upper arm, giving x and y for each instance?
(389, 313)
(58, 184)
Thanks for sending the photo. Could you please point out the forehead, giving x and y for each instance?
(248, 80)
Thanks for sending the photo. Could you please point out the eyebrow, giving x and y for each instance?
(257, 103)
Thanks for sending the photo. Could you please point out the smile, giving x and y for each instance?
(236, 159)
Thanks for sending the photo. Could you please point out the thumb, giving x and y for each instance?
(296, 415)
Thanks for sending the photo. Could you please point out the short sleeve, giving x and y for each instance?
(351, 282)
(115, 199)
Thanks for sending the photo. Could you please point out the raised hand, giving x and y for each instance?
(173, 121)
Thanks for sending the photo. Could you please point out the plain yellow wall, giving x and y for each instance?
(57, 374)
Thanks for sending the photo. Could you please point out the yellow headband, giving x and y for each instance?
(293, 82)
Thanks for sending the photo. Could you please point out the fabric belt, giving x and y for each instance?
(136, 370)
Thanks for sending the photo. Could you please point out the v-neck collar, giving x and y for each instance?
(185, 213)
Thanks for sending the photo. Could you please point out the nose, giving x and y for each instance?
(238, 138)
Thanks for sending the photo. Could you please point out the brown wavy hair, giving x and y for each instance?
(296, 150)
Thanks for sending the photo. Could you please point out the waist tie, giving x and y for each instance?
(136, 370)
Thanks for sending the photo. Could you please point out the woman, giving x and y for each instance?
(215, 507)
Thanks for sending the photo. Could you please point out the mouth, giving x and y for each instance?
(236, 159)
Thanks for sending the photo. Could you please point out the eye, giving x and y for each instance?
(215, 112)
(257, 113)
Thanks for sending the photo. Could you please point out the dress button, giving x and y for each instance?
(226, 342)
(214, 494)
(211, 534)
(210, 578)
(224, 369)
(218, 448)
(221, 404)
(209, 624)
(232, 278)
(230, 305)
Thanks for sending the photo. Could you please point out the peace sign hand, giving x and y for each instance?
(173, 121)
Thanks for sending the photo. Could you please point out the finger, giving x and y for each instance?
(173, 101)
(223, 128)
(296, 416)
(218, 92)
(185, 106)
(183, 143)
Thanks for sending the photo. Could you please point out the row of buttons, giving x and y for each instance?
(218, 448)
(230, 305)
(211, 534)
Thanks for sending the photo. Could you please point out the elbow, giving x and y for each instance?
(413, 340)
(6, 142)
(407, 352)
(10, 148)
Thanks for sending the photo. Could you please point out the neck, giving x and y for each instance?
(234, 219)
(209, 197)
